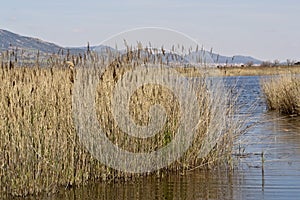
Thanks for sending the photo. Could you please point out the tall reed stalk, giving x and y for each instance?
(41, 152)
(283, 93)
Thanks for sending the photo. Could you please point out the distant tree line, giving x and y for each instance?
(276, 62)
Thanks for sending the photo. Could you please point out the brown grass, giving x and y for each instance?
(259, 70)
(239, 71)
(40, 150)
(283, 93)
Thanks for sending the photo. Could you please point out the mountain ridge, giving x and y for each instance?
(10, 40)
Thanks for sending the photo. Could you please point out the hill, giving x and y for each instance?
(10, 40)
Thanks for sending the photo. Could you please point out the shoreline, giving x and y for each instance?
(240, 71)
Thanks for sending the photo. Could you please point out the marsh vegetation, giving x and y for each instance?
(283, 93)
(39, 145)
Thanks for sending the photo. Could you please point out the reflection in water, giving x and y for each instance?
(193, 185)
(275, 174)
(278, 138)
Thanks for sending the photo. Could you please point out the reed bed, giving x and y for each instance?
(39, 145)
(259, 70)
(283, 93)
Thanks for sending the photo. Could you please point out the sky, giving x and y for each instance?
(264, 29)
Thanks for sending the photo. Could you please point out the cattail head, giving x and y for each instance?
(70, 65)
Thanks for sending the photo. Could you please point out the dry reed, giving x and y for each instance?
(283, 93)
(40, 150)
(259, 70)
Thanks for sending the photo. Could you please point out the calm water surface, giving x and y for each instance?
(278, 177)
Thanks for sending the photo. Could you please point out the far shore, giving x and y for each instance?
(241, 71)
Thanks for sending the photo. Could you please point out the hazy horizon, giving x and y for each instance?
(266, 30)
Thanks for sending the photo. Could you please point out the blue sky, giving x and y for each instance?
(264, 29)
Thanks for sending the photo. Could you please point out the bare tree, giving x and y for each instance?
(266, 64)
(249, 64)
(276, 62)
(290, 62)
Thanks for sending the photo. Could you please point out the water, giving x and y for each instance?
(276, 177)
(278, 137)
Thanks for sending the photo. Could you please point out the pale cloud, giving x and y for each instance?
(78, 30)
(12, 19)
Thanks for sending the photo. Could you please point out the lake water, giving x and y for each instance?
(276, 177)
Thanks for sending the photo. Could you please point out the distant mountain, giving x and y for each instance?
(102, 49)
(237, 59)
(195, 57)
(199, 57)
(9, 40)
(155, 55)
